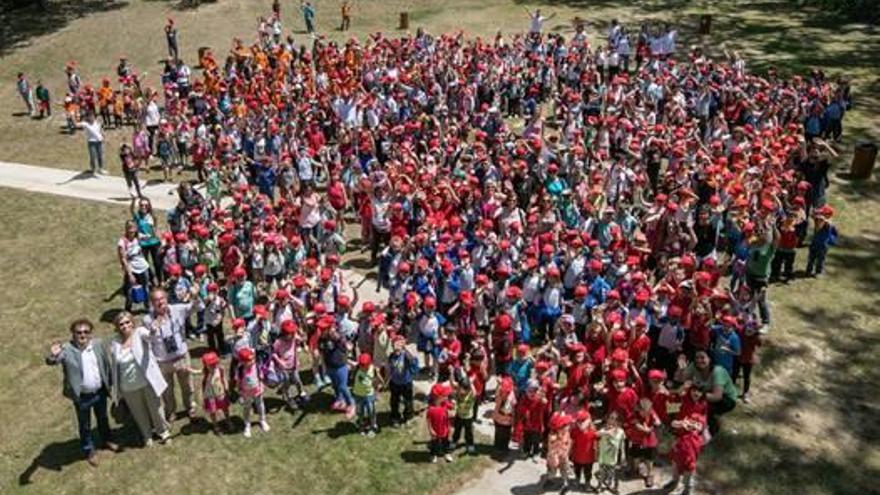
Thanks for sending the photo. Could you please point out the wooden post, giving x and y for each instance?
(404, 20)
(705, 24)
(864, 157)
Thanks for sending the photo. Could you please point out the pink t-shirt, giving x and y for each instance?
(250, 384)
(286, 352)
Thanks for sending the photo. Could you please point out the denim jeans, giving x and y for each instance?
(366, 410)
(816, 260)
(96, 155)
(96, 401)
(339, 378)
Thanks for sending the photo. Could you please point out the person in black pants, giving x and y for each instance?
(465, 399)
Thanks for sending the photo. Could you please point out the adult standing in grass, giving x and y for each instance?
(87, 381)
(150, 242)
(95, 142)
(308, 12)
(167, 323)
(137, 379)
(24, 90)
(345, 12)
(537, 20)
(171, 38)
(135, 268)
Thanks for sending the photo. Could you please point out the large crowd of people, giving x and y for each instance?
(582, 240)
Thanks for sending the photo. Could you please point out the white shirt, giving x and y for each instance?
(91, 374)
(93, 131)
(537, 23)
(152, 117)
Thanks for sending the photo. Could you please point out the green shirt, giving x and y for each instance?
(759, 260)
(719, 377)
(464, 406)
(363, 382)
(610, 445)
(243, 296)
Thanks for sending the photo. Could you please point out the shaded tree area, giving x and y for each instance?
(22, 20)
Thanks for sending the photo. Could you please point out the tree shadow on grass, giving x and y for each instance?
(18, 25)
(58, 455)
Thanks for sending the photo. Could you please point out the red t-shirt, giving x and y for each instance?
(623, 402)
(583, 445)
(639, 348)
(639, 437)
(535, 413)
(438, 420)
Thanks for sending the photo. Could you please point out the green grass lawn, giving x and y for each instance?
(812, 427)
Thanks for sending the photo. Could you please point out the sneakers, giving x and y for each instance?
(247, 431)
(264, 426)
(371, 434)
(746, 398)
(148, 443)
(349, 412)
(470, 449)
(165, 437)
(448, 458)
(433, 459)
(92, 459)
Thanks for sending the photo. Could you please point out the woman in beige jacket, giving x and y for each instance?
(137, 379)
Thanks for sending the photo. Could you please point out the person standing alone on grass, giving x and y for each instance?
(537, 21)
(345, 11)
(171, 38)
(308, 13)
(24, 90)
(95, 140)
(87, 383)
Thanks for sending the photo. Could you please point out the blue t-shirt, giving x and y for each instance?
(726, 348)
(520, 370)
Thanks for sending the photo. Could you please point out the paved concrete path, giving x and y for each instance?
(82, 185)
(517, 477)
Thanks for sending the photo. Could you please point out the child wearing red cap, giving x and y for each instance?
(503, 414)
(534, 408)
(250, 389)
(215, 391)
(584, 440)
(686, 450)
(366, 380)
(559, 448)
(437, 418)
(285, 361)
(642, 436)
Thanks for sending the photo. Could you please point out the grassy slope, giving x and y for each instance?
(812, 427)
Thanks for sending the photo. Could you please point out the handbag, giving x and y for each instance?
(119, 411)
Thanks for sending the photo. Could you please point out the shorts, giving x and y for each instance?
(212, 405)
(427, 345)
(643, 453)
